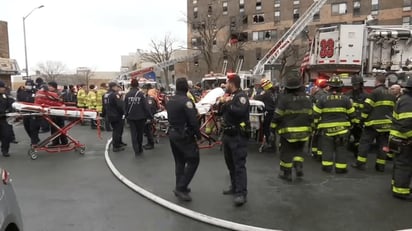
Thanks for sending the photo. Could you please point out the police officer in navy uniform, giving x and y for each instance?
(236, 131)
(136, 113)
(6, 132)
(183, 131)
(113, 108)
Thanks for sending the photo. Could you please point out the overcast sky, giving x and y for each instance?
(89, 33)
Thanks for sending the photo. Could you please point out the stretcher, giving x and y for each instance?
(47, 112)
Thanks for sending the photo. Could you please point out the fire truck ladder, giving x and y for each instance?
(239, 65)
(224, 68)
(286, 40)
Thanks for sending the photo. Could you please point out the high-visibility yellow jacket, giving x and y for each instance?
(91, 100)
(99, 99)
(81, 98)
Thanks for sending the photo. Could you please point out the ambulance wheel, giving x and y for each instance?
(82, 150)
(32, 153)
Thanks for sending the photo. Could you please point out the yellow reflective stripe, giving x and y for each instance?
(358, 105)
(280, 112)
(404, 135)
(369, 101)
(390, 155)
(294, 129)
(320, 152)
(335, 109)
(286, 165)
(341, 166)
(314, 149)
(401, 190)
(316, 109)
(361, 159)
(273, 125)
(316, 121)
(303, 111)
(364, 115)
(298, 159)
(384, 103)
(297, 140)
(356, 121)
(392, 182)
(401, 116)
(351, 110)
(327, 163)
(378, 122)
(380, 161)
(334, 124)
(337, 133)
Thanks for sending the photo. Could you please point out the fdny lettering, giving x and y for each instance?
(334, 97)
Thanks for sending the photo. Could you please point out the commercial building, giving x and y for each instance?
(8, 66)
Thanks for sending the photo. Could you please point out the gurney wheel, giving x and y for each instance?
(82, 150)
(32, 153)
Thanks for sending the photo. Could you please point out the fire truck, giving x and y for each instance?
(360, 49)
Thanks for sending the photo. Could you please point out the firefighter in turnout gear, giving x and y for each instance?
(401, 142)
(81, 97)
(319, 91)
(378, 105)
(236, 131)
(333, 115)
(268, 97)
(91, 101)
(293, 122)
(357, 96)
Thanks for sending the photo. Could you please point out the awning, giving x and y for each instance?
(9, 66)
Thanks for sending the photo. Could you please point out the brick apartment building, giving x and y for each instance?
(258, 24)
(8, 66)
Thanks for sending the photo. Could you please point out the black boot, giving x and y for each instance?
(299, 168)
(184, 196)
(358, 165)
(286, 175)
(380, 167)
(327, 169)
(341, 170)
(229, 191)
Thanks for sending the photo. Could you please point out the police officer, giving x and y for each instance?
(378, 105)
(113, 107)
(236, 131)
(6, 132)
(401, 135)
(183, 131)
(268, 97)
(357, 96)
(31, 124)
(148, 128)
(292, 120)
(136, 113)
(333, 114)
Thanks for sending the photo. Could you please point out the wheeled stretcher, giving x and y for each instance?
(47, 112)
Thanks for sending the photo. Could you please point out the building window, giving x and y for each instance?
(258, 18)
(277, 4)
(258, 53)
(258, 5)
(209, 10)
(194, 2)
(406, 21)
(356, 8)
(296, 2)
(244, 19)
(264, 35)
(375, 7)
(195, 13)
(339, 8)
(214, 41)
(224, 5)
(241, 6)
(195, 41)
(232, 23)
(316, 16)
(407, 5)
(295, 14)
(277, 16)
(240, 37)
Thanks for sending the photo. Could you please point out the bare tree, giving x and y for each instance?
(50, 70)
(233, 51)
(161, 51)
(290, 59)
(84, 75)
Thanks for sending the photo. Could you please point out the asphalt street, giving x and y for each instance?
(68, 191)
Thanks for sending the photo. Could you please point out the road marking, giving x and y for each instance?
(176, 208)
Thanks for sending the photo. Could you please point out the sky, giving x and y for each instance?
(89, 33)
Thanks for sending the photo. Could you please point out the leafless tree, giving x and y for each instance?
(233, 51)
(291, 59)
(84, 75)
(161, 51)
(50, 70)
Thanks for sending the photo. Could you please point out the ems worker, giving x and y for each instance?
(236, 131)
(357, 96)
(113, 107)
(268, 97)
(401, 131)
(6, 132)
(183, 132)
(91, 101)
(31, 123)
(293, 121)
(333, 115)
(378, 105)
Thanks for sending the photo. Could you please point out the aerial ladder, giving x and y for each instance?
(287, 39)
(239, 64)
(224, 67)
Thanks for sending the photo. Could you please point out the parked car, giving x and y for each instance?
(10, 215)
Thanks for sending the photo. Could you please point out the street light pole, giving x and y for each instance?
(24, 34)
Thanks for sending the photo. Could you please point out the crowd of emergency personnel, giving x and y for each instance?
(325, 120)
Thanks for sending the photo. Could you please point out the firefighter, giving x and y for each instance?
(91, 101)
(81, 97)
(113, 107)
(6, 132)
(183, 132)
(357, 95)
(292, 120)
(378, 105)
(401, 137)
(99, 101)
(321, 88)
(333, 115)
(236, 131)
(268, 97)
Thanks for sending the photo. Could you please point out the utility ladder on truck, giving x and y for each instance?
(239, 65)
(224, 68)
(286, 40)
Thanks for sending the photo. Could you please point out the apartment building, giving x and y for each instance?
(8, 66)
(248, 28)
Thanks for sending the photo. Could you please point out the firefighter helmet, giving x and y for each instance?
(335, 81)
(356, 79)
(293, 83)
(266, 84)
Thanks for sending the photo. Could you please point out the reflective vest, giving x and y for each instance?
(91, 100)
(99, 99)
(81, 98)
